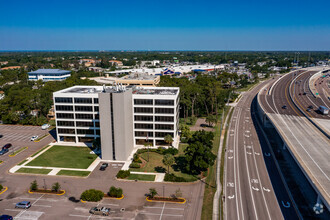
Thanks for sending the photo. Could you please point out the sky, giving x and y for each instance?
(165, 25)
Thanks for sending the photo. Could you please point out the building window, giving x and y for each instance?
(163, 134)
(142, 118)
(96, 100)
(164, 127)
(83, 108)
(97, 132)
(64, 115)
(164, 102)
(97, 124)
(143, 110)
(143, 102)
(86, 139)
(85, 131)
(65, 123)
(84, 124)
(143, 126)
(143, 134)
(164, 110)
(96, 108)
(63, 100)
(83, 100)
(84, 116)
(64, 108)
(67, 138)
(65, 131)
(97, 116)
(164, 118)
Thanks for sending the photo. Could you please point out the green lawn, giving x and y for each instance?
(65, 156)
(141, 177)
(39, 151)
(155, 161)
(73, 173)
(35, 171)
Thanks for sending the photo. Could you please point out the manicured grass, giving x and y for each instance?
(65, 156)
(156, 160)
(34, 171)
(141, 177)
(22, 162)
(73, 173)
(39, 151)
(18, 151)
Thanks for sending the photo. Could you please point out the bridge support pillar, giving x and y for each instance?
(318, 207)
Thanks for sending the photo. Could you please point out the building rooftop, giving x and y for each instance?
(49, 71)
(139, 76)
(119, 88)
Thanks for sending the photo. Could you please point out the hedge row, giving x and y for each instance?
(172, 178)
(160, 150)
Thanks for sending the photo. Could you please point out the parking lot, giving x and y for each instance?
(19, 134)
(61, 207)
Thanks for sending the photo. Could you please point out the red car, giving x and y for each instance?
(7, 146)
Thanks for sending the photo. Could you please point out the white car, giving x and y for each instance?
(45, 126)
(33, 138)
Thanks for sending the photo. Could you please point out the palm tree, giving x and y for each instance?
(168, 139)
(168, 161)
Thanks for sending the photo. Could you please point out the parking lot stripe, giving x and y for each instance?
(14, 210)
(44, 206)
(152, 207)
(149, 213)
(109, 204)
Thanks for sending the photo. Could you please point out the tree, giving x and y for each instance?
(168, 139)
(168, 160)
(34, 185)
(56, 187)
(92, 195)
(211, 119)
(198, 157)
(185, 131)
(205, 137)
(1, 187)
(152, 192)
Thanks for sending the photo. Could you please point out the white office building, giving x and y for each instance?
(123, 117)
(49, 75)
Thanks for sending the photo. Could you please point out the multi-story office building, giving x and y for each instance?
(123, 117)
(49, 75)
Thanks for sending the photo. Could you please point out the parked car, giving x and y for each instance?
(104, 166)
(6, 217)
(23, 205)
(284, 107)
(33, 138)
(309, 110)
(100, 211)
(311, 107)
(6, 146)
(304, 93)
(45, 126)
(3, 151)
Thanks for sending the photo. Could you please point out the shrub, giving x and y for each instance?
(152, 192)
(171, 150)
(92, 195)
(122, 174)
(134, 165)
(34, 186)
(56, 187)
(115, 192)
(1, 187)
(172, 178)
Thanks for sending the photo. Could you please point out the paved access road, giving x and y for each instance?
(249, 192)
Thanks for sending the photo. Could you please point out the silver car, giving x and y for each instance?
(100, 211)
(23, 205)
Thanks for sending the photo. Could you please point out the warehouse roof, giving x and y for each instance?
(50, 71)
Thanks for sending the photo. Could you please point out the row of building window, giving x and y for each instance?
(151, 134)
(78, 124)
(78, 116)
(79, 108)
(157, 110)
(151, 101)
(151, 118)
(151, 126)
(76, 100)
(79, 131)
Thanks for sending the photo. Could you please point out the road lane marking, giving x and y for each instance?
(255, 188)
(286, 205)
(231, 197)
(267, 190)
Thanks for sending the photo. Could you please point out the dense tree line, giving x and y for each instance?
(23, 96)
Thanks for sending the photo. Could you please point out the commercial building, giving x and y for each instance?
(49, 75)
(123, 117)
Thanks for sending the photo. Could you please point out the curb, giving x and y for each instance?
(108, 197)
(4, 190)
(168, 201)
(47, 193)
(23, 149)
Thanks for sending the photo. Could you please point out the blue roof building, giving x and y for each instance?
(49, 75)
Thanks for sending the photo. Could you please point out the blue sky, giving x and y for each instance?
(164, 25)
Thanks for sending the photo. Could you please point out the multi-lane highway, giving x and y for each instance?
(308, 146)
(253, 187)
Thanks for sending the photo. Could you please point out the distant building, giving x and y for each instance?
(89, 62)
(139, 79)
(49, 74)
(116, 63)
(3, 63)
(96, 69)
(10, 68)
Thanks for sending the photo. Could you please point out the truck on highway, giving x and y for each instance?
(324, 110)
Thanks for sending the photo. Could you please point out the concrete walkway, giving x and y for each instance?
(159, 176)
